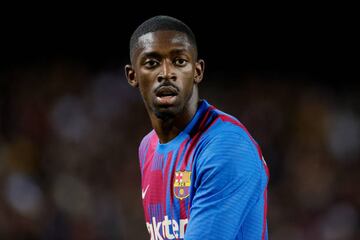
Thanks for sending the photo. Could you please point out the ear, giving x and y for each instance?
(199, 71)
(131, 76)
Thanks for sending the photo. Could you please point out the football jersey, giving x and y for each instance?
(209, 182)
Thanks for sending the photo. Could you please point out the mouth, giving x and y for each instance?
(166, 95)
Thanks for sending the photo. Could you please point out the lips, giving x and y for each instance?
(166, 95)
(166, 91)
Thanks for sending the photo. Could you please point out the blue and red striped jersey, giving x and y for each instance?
(209, 182)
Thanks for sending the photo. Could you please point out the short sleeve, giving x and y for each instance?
(228, 183)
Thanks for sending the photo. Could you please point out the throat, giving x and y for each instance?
(167, 129)
(167, 133)
(168, 125)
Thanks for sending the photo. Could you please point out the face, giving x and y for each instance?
(165, 69)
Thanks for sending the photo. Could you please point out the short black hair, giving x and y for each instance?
(159, 23)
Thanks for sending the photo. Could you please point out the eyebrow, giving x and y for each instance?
(153, 54)
(178, 51)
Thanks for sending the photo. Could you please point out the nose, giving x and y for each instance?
(167, 71)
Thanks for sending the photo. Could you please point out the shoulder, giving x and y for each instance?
(228, 156)
(147, 141)
(228, 144)
(148, 138)
(231, 142)
(227, 129)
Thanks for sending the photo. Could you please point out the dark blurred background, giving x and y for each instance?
(70, 124)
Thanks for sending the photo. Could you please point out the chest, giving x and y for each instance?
(167, 184)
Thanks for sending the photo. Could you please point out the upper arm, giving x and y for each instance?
(228, 183)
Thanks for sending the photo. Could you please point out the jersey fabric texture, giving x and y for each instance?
(209, 182)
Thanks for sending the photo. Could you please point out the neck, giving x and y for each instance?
(168, 129)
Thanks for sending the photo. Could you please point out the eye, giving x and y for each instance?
(180, 62)
(151, 63)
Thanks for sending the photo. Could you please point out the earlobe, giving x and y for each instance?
(131, 76)
(199, 71)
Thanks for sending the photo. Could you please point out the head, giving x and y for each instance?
(165, 66)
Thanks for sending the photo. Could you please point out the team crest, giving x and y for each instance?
(182, 184)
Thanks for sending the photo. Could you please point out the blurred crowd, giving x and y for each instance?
(68, 151)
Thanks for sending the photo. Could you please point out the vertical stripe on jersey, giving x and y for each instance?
(195, 139)
(208, 120)
(143, 150)
(155, 210)
(166, 184)
(157, 162)
(142, 153)
(264, 216)
(170, 196)
(148, 157)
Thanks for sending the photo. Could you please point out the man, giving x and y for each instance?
(203, 175)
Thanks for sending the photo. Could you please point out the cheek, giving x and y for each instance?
(145, 88)
(145, 80)
(186, 76)
(188, 83)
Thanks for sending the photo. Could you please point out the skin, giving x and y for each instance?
(165, 68)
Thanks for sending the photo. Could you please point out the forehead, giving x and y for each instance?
(161, 42)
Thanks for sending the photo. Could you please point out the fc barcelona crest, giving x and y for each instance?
(182, 184)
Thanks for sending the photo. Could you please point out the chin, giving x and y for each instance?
(164, 115)
(167, 111)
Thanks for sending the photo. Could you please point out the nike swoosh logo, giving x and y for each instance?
(143, 192)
